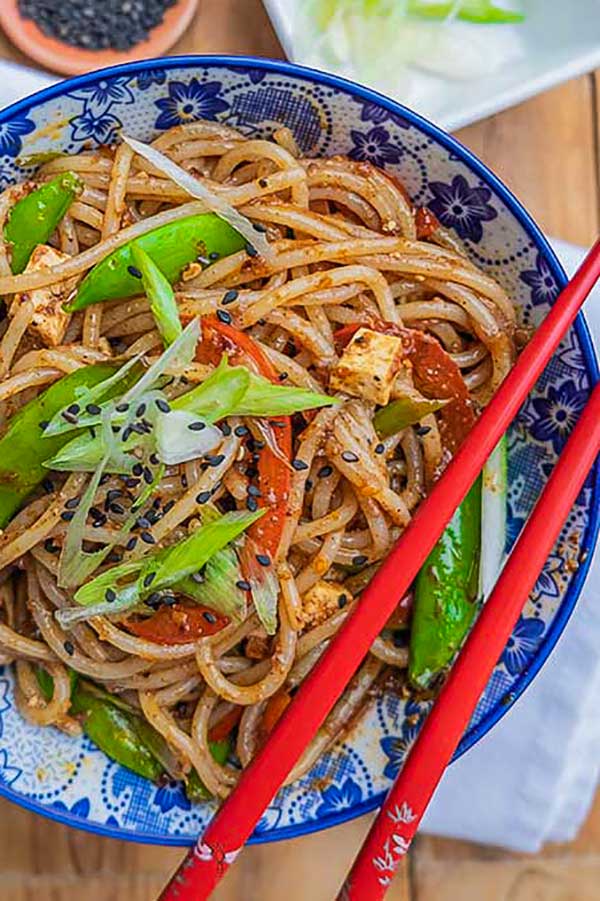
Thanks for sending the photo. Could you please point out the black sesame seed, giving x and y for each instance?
(117, 509)
(197, 426)
(132, 483)
(168, 506)
(126, 433)
(131, 543)
(259, 227)
(169, 599)
(148, 477)
(114, 557)
(122, 408)
(283, 376)
(379, 449)
(224, 316)
(325, 471)
(252, 504)
(67, 516)
(154, 460)
(263, 559)
(105, 478)
(342, 601)
(148, 537)
(69, 648)
(309, 484)
(50, 547)
(48, 485)
(142, 523)
(133, 270)
(225, 428)
(140, 410)
(422, 430)
(137, 469)
(209, 617)
(251, 472)
(214, 255)
(349, 457)
(154, 598)
(113, 494)
(299, 465)
(229, 296)
(115, 429)
(198, 578)
(243, 585)
(43, 424)
(149, 579)
(400, 638)
(251, 250)
(70, 417)
(74, 409)
(93, 409)
(359, 559)
(203, 497)
(100, 521)
(110, 595)
(254, 491)
(214, 460)
(263, 182)
(184, 481)
(72, 503)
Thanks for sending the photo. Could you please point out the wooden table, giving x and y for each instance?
(547, 151)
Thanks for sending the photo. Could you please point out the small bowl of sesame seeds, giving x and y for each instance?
(76, 36)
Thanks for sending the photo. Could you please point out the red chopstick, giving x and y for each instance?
(397, 822)
(232, 825)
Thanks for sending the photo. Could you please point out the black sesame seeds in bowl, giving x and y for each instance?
(76, 36)
(97, 24)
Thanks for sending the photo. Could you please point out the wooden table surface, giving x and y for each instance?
(547, 151)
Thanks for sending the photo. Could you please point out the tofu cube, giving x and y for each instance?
(49, 319)
(323, 600)
(368, 366)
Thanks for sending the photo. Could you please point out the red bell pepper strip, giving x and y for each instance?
(225, 725)
(273, 477)
(178, 624)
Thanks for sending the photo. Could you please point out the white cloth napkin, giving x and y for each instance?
(532, 779)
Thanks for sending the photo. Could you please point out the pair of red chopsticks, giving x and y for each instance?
(393, 830)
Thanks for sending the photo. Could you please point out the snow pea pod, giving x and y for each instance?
(172, 247)
(35, 217)
(23, 447)
(446, 593)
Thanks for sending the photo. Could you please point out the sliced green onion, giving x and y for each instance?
(218, 395)
(181, 436)
(263, 398)
(160, 294)
(405, 411)
(219, 589)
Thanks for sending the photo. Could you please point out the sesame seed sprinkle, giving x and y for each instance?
(134, 271)
(349, 457)
(229, 296)
(224, 316)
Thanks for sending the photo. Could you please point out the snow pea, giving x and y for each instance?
(35, 217)
(446, 593)
(23, 448)
(195, 789)
(172, 247)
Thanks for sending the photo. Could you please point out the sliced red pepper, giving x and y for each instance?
(436, 375)
(226, 724)
(274, 477)
(276, 707)
(178, 624)
(426, 222)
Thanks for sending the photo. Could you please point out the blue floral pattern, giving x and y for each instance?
(171, 795)
(11, 134)
(374, 146)
(72, 777)
(150, 77)
(557, 412)
(189, 102)
(461, 207)
(541, 281)
(336, 798)
(522, 644)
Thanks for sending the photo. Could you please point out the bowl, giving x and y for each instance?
(70, 60)
(70, 779)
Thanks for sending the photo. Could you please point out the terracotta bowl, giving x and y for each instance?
(69, 60)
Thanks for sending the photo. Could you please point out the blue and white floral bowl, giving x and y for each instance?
(70, 780)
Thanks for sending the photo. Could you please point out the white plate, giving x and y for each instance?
(558, 40)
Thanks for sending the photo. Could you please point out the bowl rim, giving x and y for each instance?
(542, 246)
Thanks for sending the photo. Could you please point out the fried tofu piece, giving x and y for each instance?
(368, 366)
(49, 319)
(323, 600)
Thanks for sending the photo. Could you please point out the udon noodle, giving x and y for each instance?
(347, 249)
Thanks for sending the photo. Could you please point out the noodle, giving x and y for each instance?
(222, 648)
